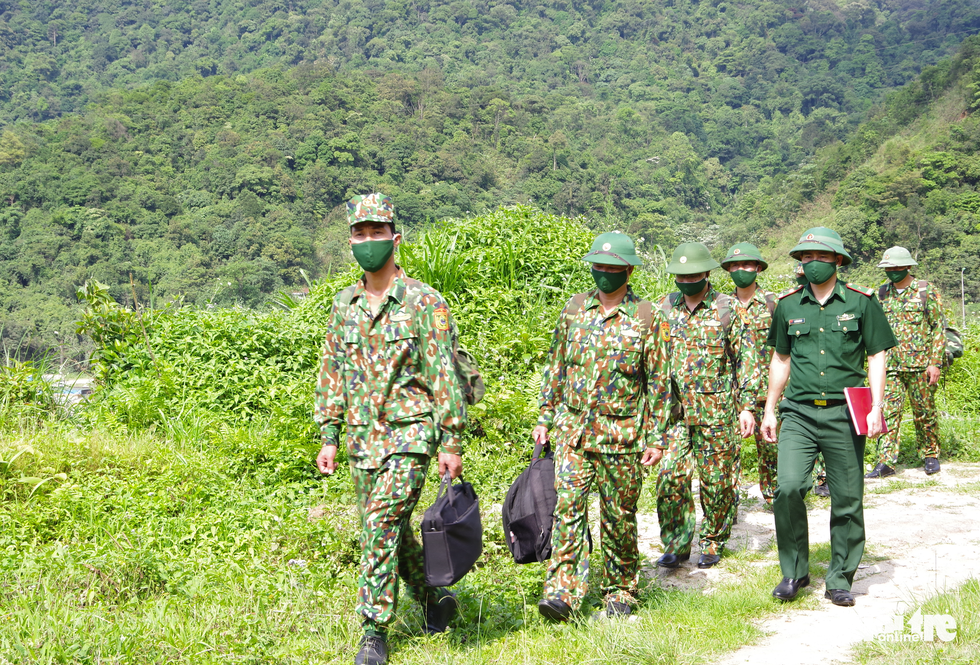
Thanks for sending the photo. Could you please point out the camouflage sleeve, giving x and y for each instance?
(439, 371)
(748, 366)
(657, 366)
(553, 376)
(936, 321)
(330, 398)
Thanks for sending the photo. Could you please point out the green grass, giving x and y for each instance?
(161, 549)
(963, 605)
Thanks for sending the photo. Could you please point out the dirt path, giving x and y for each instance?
(923, 537)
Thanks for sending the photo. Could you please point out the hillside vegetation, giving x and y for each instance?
(221, 183)
(178, 516)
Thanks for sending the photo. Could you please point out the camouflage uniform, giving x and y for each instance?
(712, 391)
(604, 398)
(393, 376)
(758, 318)
(917, 319)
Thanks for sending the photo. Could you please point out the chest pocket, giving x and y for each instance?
(625, 355)
(912, 311)
(848, 326)
(579, 338)
(797, 330)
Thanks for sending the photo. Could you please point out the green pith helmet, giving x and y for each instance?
(897, 257)
(613, 249)
(691, 258)
(744, 251)
(821, 239)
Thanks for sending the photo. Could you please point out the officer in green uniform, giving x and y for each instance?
(822, 334)
(756, 305)
(915, 312)
(388, 372)
(715, 369)
(819, 487)
(604, 407)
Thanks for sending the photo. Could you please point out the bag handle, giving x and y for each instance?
(446, 484)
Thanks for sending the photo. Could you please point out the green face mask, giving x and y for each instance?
(691, 288)
(743, 278)
(372, 255)
(610, 282)
(819, 272)
(896, 276)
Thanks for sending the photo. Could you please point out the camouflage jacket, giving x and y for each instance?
(393, 374)
(605, 385)
(919, 327)
(714, 378)
(758, 318)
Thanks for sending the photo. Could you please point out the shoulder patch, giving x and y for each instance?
(790, 292)
(863, 290)
(441, 318)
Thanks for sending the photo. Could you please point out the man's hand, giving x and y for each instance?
(651, 456)
(326, 461)
(874, 422)
(932, 374)
(451, 463)
(770, 426)
(746, 424)
(540, 435)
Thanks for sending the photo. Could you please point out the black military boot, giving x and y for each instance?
(374, 651)
(880, 471)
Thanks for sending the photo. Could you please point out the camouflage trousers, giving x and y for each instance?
(714, 450)
(767, 453)
(923, 399)
(618, 481)
(386, 498)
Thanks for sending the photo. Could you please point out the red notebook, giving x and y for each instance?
(859, 406)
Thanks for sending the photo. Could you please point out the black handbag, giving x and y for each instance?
(528, 513)
(452, 534)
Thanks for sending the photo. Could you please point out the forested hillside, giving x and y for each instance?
(783, 55)
(205, 148)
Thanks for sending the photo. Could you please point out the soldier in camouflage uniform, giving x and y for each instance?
(915, 312)
(755, 306)
(388, 373)
(604, 406)
(715, 369)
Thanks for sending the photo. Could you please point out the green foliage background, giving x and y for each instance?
(205, 148)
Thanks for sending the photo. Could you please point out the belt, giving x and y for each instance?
(824, 402)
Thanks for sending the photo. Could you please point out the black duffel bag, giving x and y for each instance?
(452, 533)
(528, 512)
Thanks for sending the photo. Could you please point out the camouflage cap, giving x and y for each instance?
(821, 239)
(897, 257)
(614, 249)
(691, 258)
(370, 208)
(744, 251)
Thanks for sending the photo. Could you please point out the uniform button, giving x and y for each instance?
(821, 309)
(797, 333)
(845, 328)
(821, 330)
(821, 351)
(823, 394)
(821, 374)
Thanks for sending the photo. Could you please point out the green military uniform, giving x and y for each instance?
(827, 345)
(604, 399)
(758, 318)
(757, 315)
(919, 323)
(715, 367)
(390, 376)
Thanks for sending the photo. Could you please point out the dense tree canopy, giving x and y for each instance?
(205, 149)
